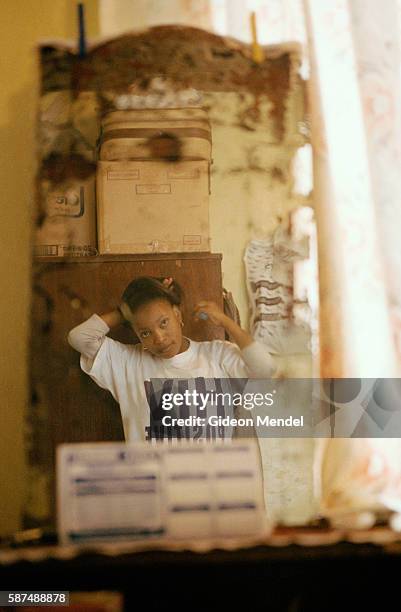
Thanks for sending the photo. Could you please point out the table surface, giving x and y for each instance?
(294, 569)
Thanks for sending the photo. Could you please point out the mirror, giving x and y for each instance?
(256, 113)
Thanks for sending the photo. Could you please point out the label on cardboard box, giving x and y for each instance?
(115, 175)
(192, 239)
(143, 189)
(64, 250)
(183, 173)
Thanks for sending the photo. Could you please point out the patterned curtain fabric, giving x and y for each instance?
(376, 34)
(269, 267)
(355, 113)
(356, 337)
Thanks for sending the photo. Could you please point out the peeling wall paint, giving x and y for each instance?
(251, 178)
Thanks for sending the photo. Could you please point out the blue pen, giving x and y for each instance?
(81, 27)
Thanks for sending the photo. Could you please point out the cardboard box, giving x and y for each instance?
(153, 206)
(132, 134)
(69, 228)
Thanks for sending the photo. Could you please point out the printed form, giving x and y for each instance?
(114, 491)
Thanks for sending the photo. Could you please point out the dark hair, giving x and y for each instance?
(145, 289)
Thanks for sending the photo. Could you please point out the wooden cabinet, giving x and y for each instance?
(68, 291)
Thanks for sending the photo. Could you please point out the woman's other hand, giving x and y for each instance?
(167, 282)
(213, 312)
(217, 316)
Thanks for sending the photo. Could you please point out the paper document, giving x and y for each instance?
(114, 491)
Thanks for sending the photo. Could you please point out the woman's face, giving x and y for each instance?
(158, 327)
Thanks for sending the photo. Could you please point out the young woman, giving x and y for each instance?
(151, 306)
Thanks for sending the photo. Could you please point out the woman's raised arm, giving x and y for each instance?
(87, 338)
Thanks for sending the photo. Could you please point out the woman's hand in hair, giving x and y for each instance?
(113, 318)
(167, 282)
(209, 310)
(217, 316)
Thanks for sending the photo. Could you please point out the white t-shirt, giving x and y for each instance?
(123, 368)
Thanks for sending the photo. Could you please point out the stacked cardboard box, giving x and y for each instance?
(153, 181)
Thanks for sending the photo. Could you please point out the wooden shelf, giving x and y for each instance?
(129, 257)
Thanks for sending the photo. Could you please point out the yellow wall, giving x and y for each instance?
(23, 23)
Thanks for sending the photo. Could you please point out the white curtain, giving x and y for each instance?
(354, 292)
(355, 110)
(377, 37)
